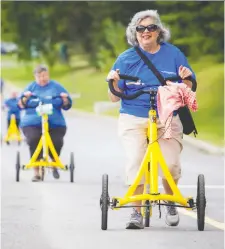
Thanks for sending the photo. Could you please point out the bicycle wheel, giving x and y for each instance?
(201, 202)
(18, 166)
(72, 167)
(104, 202)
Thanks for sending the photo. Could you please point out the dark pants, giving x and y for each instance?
(33, 135)
(17, 123)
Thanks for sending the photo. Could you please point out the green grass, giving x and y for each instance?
(80, 78)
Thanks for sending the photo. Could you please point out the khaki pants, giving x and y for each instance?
(132, 131)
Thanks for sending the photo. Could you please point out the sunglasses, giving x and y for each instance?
(150, 28)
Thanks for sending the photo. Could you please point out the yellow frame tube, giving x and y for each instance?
(13, 132)
(155, 157)
(46, 144)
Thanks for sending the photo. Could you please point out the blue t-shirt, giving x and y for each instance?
(31, 118)
(167, 61)
(11, 104)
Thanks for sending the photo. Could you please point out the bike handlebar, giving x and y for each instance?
(140, 92)
(36, 97)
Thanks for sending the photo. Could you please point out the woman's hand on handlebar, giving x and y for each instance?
(184, 73)
(65, 99)
(114, 75)
(27, 94)
(23, 100)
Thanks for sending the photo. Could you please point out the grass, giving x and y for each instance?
(80, 78)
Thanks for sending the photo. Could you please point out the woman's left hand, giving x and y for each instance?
(184, 72)
(64, 95)
(65, 99)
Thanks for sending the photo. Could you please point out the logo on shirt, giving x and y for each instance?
(168, 72)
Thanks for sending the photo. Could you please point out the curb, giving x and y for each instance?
(199, 144)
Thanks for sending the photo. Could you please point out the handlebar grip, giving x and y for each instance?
(122, 95)
(128, 77)
(35, 97)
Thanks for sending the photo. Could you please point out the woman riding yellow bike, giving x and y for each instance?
(146, 32)
(31, 123)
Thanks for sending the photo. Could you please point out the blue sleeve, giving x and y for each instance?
(181, 60)
(57, 103)
(121, 66)
(61, 89)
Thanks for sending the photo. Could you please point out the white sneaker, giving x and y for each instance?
(136, 221)
(172, 216)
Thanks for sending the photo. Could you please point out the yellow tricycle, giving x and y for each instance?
(13, 132)
(149, 170)
(46, 145)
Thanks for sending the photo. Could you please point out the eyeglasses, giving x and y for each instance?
(150, 28)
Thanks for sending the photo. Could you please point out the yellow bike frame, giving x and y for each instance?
(13, 132)
(149, 168)
(46, 144)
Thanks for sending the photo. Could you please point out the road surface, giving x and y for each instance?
(57, 214)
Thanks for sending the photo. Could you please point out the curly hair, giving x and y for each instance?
(164, 34)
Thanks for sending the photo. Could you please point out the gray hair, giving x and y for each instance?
(164, 34)
(40, 69)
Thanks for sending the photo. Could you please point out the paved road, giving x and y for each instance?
(56, 214)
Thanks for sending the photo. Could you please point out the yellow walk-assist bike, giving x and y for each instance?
(149, 169)
(46, 145)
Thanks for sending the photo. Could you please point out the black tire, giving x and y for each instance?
(18, 166)
(147, 213)
(42, 173)
(201, 203)
(72, 167)
(104, 202)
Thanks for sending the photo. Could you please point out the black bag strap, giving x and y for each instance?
(151, 66)
(186, 111)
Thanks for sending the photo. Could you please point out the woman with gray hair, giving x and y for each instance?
(44, 88)
(148, 33)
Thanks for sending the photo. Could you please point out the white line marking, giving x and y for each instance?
(195, 186)
(217, 224)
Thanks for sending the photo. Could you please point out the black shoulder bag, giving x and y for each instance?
(184, 112)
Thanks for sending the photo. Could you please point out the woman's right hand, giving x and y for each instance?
(24, 99)
(27, 94)
(114, 75)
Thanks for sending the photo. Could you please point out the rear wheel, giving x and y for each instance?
(72, 167)
(18, 166)
(104, 202)
(201, 202)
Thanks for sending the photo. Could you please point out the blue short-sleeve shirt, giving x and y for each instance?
(167, 61)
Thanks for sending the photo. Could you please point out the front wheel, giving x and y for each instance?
(104, 202)
(201, 202)
(72, 167)
(18, 166)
